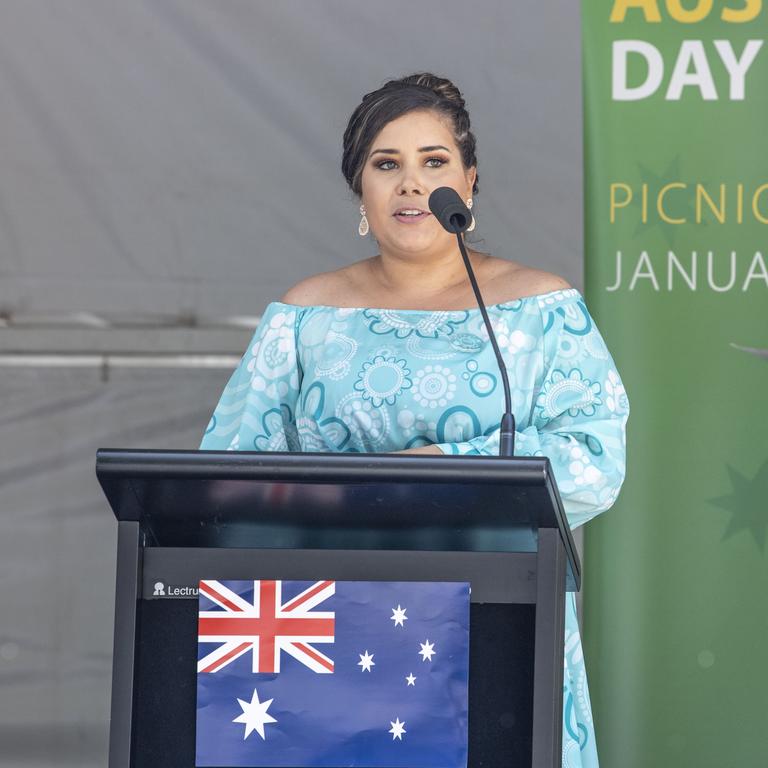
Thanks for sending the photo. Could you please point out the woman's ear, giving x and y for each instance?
(471, 175)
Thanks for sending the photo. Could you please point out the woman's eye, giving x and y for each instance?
(432, 162)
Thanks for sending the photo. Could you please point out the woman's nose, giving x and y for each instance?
(411, 182)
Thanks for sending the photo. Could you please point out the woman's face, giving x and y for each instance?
(412, 156)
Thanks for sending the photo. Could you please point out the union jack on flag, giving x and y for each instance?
(266, 627)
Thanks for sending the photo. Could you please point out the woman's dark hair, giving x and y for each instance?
(394, 99)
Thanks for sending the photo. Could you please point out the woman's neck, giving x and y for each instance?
(410, 278)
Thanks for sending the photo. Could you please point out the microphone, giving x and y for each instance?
(449, 209)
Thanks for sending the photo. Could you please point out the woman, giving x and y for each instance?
(390, 354)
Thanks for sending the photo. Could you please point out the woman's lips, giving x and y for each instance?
(411, 218)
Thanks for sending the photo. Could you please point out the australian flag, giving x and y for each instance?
(330, 674)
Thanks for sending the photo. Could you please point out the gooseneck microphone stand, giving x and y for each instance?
(449, 209)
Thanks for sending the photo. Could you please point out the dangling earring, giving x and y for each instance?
(363, 226)
(471, 227)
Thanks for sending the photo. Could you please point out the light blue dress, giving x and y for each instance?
(324, 378)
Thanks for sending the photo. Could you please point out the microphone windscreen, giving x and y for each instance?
(449, 209)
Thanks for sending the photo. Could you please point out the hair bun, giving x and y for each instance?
(440, 86)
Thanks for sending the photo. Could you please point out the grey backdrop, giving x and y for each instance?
(168, 168)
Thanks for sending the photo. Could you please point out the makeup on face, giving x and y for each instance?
(411, 156)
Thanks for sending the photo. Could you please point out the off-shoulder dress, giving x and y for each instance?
(323, 378)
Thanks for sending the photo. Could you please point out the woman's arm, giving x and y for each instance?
(432, 449)
(256, 411)
(579, 416)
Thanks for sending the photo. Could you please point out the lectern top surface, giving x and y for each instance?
(335, 501)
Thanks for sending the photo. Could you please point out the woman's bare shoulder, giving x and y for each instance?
(516, 281)
(323, 289)
(502, 280)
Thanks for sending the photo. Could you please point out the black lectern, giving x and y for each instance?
(497, 523)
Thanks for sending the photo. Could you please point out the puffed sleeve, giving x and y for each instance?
(257, 409)
(579, 412)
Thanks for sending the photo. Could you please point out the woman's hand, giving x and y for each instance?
(433, 449)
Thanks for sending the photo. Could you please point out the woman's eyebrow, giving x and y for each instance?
(397, 151)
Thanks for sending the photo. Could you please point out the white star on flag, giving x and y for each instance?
(366, 662)
(397, 729)
(398, 616)
(254, 715)
(427, 651)
(411, 679)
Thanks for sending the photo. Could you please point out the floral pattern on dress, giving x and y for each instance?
(569, 393)
(405, 322)
(382, 379)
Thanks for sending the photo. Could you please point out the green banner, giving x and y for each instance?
(676, 230)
